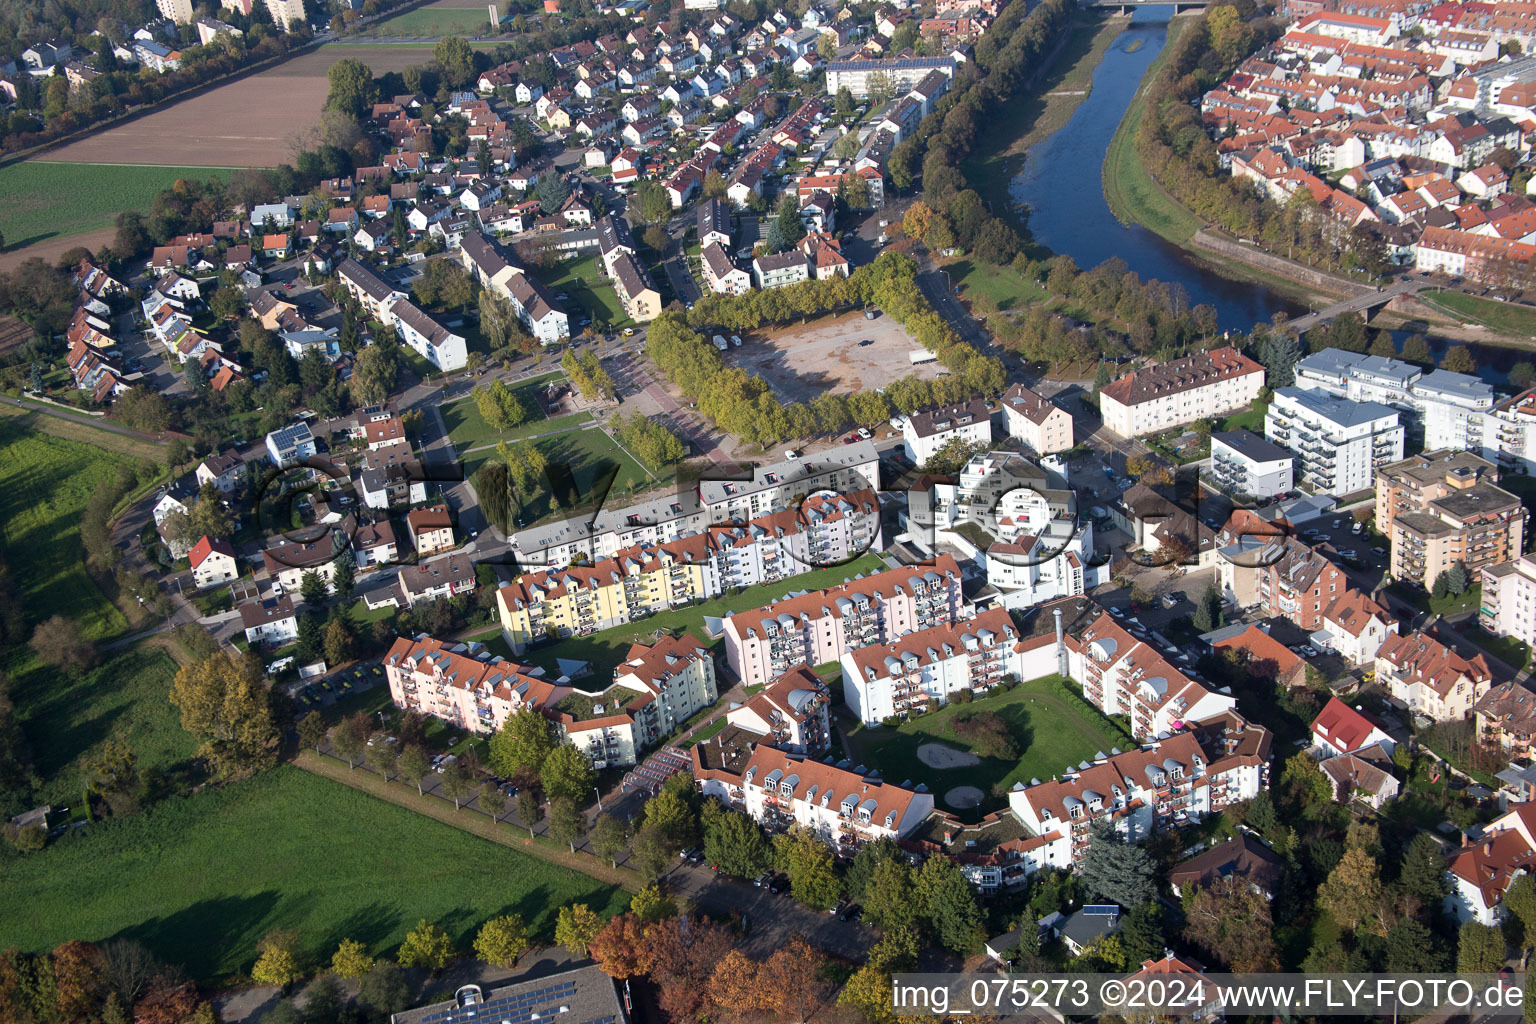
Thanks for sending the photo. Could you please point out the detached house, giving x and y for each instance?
(213, 562)
(1433, 680)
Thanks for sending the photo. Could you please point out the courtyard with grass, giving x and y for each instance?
(587, 290)
(201, 879)
(605, 649)
(1049, 722)
(579, 460)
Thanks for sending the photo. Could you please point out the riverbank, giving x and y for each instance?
(1044, 110)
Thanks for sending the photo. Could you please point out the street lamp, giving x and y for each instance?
(599, 798)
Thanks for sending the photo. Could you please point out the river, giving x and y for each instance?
(1061, 184)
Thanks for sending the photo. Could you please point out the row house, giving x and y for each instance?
(1505, 718)
(818, 627)
(925, 669)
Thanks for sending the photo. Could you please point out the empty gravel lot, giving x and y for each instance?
(824, 355)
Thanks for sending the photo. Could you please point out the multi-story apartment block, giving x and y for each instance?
(1242, 462)
(928, 430)
(723, 276)
(1509, 599)
(463, 684)
(1280, 577)
(903, 75)
(817, 627)
(1440, 509)
(779, 790)
(653, 692)
(1040, 425)
(790, 713)
(1196, 387)
(899, 679)
(1505, 718)
(703, 507)
(368, 289)
(1165, 784)
(430, 529)
(391, 475)
(990, 488)
(431, 340)
(633, 286)
(636, 581)
(1433, 680)
(1121, 675)
(1338, 443)
(1451, 408)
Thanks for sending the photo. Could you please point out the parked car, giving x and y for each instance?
(762, 881)
(850, 913)
(842, 905)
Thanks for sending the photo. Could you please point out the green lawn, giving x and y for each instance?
(605, 649)
(1251, 418)
(1050, 722)
(434, 21)
(1132, 194)
(1504, 317)
(467, 428)
(44, 484)
(578, 459)
(588, 289)
(1003, 285)
(1425, 600)
(201, 879)
(42, 199)
(1506, 648)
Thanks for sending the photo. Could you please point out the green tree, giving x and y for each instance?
(575, 928)
(312, 587)
(551, 192)
(311, 730)
(521, 745)
(1352, 891)
(608, 838)
(456, 783)
(502, 941)
(808, 863)
(278, 963)
(383, 990)
(492, 800)
(457, 59)
(1458, 359)
(671, 812)
(889, 898)
(427, 945)
(349, 738)
(351, 960)
(566, 822)
(1115, 870)
(1280, 351)
(352, 89)
(651, 904)
(567, 774)
(1421, 879)
(650, 853)
(734, 844)
(415, 764)
(949, 906)
(230, 712)
(530, 809)
(1456, 578)
(1412, 948)
(1480, 949)
(1416, 350)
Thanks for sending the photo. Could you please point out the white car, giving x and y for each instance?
(792, 454)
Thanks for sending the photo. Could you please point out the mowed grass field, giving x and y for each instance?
(578, 460)
(468, 429)
(201, 879)
(1504, 317)
(435, 20)
(1052, 726)
(42, 199)
(44, 484)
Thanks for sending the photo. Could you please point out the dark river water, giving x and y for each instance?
(1061, 183)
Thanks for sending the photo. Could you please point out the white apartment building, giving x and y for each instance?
(1481, 873)
(902, 75)
(653, 691)
(1165, 784)
(368, 289)
(1040, 425)
(1452, 408)
(1242, 462)
(271, 621)
(1509, 599)
(723, 276)
(844, 469)
(790, 713)
(463, 684)
(431, 340)
(1338, 443)
(818, 627)
(1197, 387)
(898, 679)
(779, 790)
(928, 430)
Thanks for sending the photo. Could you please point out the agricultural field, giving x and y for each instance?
(606, 648)
(1048, 721)
(45, 199)
(44, 484)
(258, 121)
(200, 879)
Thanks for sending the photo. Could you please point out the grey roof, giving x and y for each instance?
(435, 333)
(1461, 386)
(1339, 411)
(365, 279)
(1337, 362)
(613, 233)
(259, 613)
(1251, 446)
(583, 996)
(911, 64)
(780, 261)
(718, 259)
(631, 276)
(714, 215)
(291, 437)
